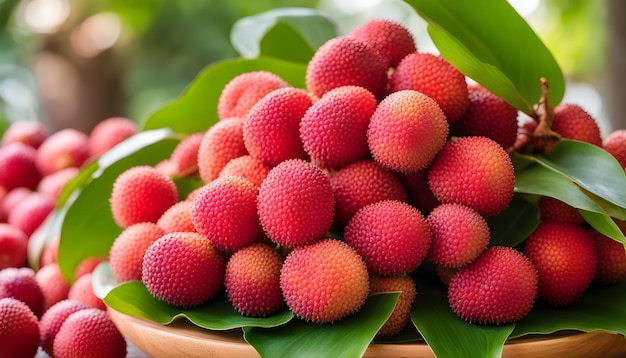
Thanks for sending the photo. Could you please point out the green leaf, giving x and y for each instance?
(604, 224)
(102, 279)
(492, 44)
(301, 30)
(196, 109)
(348, 337)
(514, 224)
(132, 298)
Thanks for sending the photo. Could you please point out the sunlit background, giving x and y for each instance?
(72, 63)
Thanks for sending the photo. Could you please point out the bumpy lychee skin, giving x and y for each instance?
(391, 236)
(489, 116)
(571, 121)
(324, 281)
(82, 290)
(18, 166)
(406, 131)
(141, 194)
(53, 285)
(19, 335)
(252, 280)
(334, 129)
(177, 218)
(185, 155)
(295, 203)
(248, 167)
(31, 133)
(554, 209)
(221, 143)
(392, 40)
(66, 148)
(420, 195)
(435, 77)
(611, 266)
(52, 320)
(271, 130)
(20, 283)
(565, 257)
(89, 333)
(615, 144)
(499, 287)
(13, 246)
(183, 269)
(474, 171)
(401, 314)
(225, 212)
(110, 132)
(29, 214)
(345, 61)
(244, 90)
(126, 252)
(459, 235)
(361, 183)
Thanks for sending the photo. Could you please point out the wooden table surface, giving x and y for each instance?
(133, 352)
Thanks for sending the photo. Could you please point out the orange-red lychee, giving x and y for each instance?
(245, 90)
(220, 143)
(571, 121)
(615, 144)
(389, 38)
(248, 167)
(401, 314)
(68, 147)
(126, 252)
(110, 132)
(19, 335)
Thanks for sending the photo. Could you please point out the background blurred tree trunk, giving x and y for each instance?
(615, 71)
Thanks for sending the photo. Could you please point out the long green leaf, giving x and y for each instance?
(492, 44)
(604, 224)
(514, 224)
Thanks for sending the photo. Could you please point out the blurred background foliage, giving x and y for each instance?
(72, 63)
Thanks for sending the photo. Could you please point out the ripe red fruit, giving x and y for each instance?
(474, 171)
(565, 257)
(141, 194)
(391, 236)
(31, 133)
(388, 38)
(399, 119)
(177, 218)
(615, 144)
(21, 284)
(611, 260)
(401, 314)
(11, 199)
(499, 287)
(52, 320)
(29, 214)
(110, 132)
(185, 155)
(571, 121)
(82, 290)
(52, 184)
(66, 148)
(334, 129)
(220, 144)
(324, 281)
(345, 61)
(126, 252)
(52, 284)
(183, 269)
(244, 90)
(18, 166)
(420, 195)
(19, 329)
(13, 246)
(295, 203)
(248, 167)
(554, 209)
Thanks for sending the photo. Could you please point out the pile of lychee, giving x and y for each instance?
(315, 198)
(39, 308)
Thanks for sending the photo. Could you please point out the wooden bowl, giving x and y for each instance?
(182, 338)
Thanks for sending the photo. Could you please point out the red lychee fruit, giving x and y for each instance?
(571, 121)
(611, 267)
(52, 284)
(18, 166)
(167, 167)
(615, 144)
(52, 320)
(245, 90)
(389, 38)
(177, 218)
(436, 78)
(324, 281)
(31, 133)
(565, 257)
(29, 214)
(183, 269)
(19, 332)
(126, 252)
(499, 287)
(445, 274)
(334, 129)
(11, 199)
(406, 131)
(488, 116)
(420, 195)
(361, 183)
(185, 155)
(391, 236)
(459, 235)
(141, 194)
(50, 252)
(401, 314)
(68, 147)
(554, 209)
(345, 61)
(89, 333)
(252, 280)
(271, 130)
(21, 284)
(295, 203)
(82, 291)
(88, 265)
(473, 171)
(248, 167)
(225, 212)
(13, 246)
(53, 184)
(110, 132)
(220, 143)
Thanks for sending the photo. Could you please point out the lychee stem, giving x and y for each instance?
(544, 132)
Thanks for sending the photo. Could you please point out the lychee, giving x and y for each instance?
(345, 61)
(141, 194)
(52, 320)
(126, 252)
(499, 287)
(52, 184)
(29, 214)
(82, 290)
(177, 218)
(53, 285)
(615, 144)
(611, 266)
(391, 236)
(295, 203)
(252, 280)
(220, 143)
(31, 133)
(18, 166)
(19, 333)
(244, 90)
(248, 167)
(420, 195)
(406, 131)
(474, 171)
(110, 132)
(21, 284)
(389, 38)
(11, 199)
(183, 269)
(68, 147)
(13, 246)
(185, 155)
(554, 209)
(436, 78)
(324, 281)
(571, 121)
(401, 314)
(334, 129)
(271, 130)
(565, 257)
